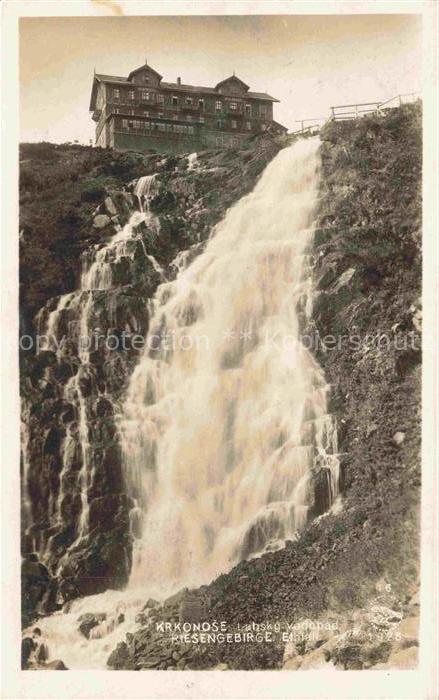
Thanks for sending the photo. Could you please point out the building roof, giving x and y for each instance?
(110, 78)
(175, 87)
(232, 79)
(145, 66)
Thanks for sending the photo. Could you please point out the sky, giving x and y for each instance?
(309, 62)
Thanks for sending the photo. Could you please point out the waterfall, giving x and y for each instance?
(224, 424)
(225, 420)
(70, 329)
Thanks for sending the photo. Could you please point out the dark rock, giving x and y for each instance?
(27, 647)
(56, 665)
(90, 620)
(119, 657)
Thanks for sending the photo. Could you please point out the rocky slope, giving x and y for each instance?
(73, 200)
(366, 335)
(365, 332)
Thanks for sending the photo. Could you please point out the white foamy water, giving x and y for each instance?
(226, 415)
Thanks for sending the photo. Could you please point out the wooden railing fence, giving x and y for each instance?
(354, 111)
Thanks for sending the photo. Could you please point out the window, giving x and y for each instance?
(146, 114)
(263, 110)
(233, 106)
(116, 110)
(160, 115)
(131, 95)
(116, 93)
(201, 105)
(160, 99)
(219, 141)
(248, 109)
(132, 112)
(174, 100)
(189, 101)
(201, 119)
(162, 127)
(189, 117)
(144, 94)
(234, 123)
(218, 105)
(146, 79)
(124, 123)
(219, 124)
(190, 129)
(248, 126)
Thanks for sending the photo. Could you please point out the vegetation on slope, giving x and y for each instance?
(368, 266)
(62, 185)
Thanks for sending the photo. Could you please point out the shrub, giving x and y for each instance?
(92, 192)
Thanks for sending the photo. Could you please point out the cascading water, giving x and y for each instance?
(73, 323)
(225, 417)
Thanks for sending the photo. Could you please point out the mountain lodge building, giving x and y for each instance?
(141, 112)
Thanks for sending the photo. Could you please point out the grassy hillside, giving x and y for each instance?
(62, 185)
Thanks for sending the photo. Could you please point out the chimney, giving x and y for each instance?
(178, 81)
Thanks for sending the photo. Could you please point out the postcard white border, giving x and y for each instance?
(418, 684)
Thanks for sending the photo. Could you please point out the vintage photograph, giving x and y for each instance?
(220, 267)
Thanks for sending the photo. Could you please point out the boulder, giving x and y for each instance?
(398, 438)
(110, 206)
(56, 665)
(88, 621)
(27, 647)
(101, 221)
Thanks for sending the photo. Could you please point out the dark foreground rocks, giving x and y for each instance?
(35, 654)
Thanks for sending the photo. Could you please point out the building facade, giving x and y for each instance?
(142, 112)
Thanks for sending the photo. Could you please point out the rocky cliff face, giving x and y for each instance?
(366, 334)
(76, 533)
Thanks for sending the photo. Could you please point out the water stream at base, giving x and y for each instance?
(225, 419)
